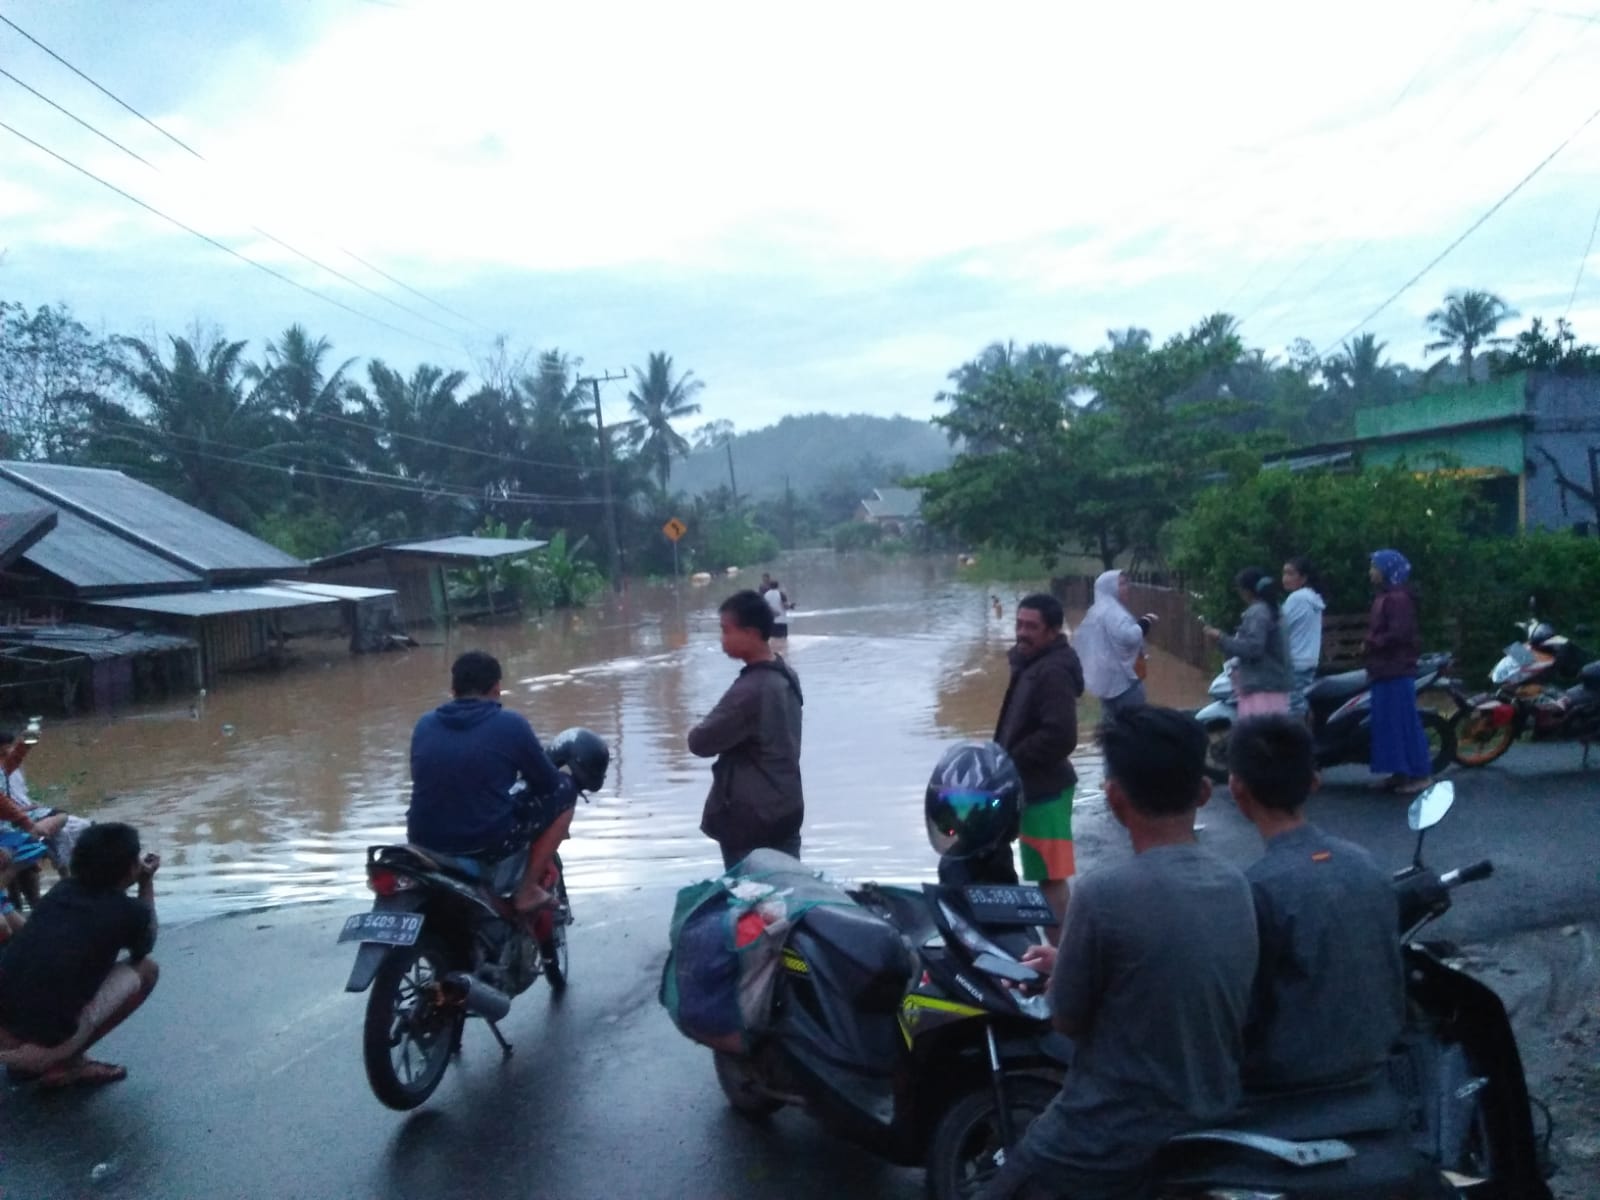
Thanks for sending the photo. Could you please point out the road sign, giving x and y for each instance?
(674, 529)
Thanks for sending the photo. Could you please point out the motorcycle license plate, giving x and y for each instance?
(1014, 905)
(394, 929)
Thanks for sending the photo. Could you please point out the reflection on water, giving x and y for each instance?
(270, 789)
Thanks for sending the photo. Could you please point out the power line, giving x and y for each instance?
(73, 116)
(226, 249)
(1471, 229)
(1582, 262)
(498, 456)
(191, 150)
(420, 295)
(103, 91)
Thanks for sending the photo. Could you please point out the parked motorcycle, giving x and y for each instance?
(1341, 717)
(1527, 698)
(442, 943)
(1449, 1118)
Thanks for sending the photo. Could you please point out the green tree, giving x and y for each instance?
(657, 399)
(202, 432)
(1536, 349)
(293, 385)
(53, 371)
(1468, 320)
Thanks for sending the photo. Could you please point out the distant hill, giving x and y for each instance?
(813, 450)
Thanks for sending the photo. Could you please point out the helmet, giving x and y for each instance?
(1541, 633)
(585, 754)
(973, 801)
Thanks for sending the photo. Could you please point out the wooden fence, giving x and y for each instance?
(1180, 631)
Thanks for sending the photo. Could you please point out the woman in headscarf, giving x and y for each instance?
(1109, 643)
(1393, 645)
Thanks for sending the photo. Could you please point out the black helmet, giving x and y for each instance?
(973, 801)
(585, 754)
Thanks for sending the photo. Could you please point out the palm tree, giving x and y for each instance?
(202, 430)
(657, 400)
(292, 385)
(1468, 320)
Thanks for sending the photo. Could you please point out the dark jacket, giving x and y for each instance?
(1038, 725)
(465, 755)
(754, 732)
(1394, 642)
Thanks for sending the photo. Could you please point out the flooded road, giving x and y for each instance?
(269, 790)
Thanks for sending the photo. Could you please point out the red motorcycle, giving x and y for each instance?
(1528, 699)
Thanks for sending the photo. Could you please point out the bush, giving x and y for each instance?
(855, 535)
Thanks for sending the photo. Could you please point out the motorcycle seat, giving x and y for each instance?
(1367, 1105)
(1338, 687)
(500, 874)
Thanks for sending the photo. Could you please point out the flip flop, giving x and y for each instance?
(89, 1072)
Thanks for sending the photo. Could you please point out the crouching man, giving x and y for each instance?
(63, 982)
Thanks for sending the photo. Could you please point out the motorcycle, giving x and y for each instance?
(1527, 699)
(1341, 717)
(890, 1023)
(442, 943)
(1450, 1116)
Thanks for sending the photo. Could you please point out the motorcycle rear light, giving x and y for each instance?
(384, 882)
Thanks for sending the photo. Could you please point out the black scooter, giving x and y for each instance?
(1341, 717)
(891, 1025)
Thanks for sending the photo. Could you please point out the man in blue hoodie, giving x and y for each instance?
(465, 757)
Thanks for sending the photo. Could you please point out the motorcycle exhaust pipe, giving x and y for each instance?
(478, 998)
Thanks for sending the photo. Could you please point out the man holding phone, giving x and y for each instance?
(64, 984)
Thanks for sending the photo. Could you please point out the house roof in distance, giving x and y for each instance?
(148, 516)
(891, 503)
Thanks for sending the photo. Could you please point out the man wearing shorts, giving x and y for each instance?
(1038, 728)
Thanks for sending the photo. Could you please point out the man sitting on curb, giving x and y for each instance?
(1152, 981)
(62, 986)
(1330, 992)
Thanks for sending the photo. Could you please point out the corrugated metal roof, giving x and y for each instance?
(336, 591)
(891, 503)
(473, 549)
(91, 559)
(92, 641)
(150, 517)
(218, 603)
(19, 530)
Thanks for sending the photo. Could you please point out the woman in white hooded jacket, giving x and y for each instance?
(1302, 623)
(1109, 643)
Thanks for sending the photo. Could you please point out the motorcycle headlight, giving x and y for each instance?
(1503, 670)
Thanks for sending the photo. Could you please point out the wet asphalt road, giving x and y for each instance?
(246, 1079)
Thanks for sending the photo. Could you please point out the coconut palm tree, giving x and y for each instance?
(657, 399)
(310, 404)
(1468, 320)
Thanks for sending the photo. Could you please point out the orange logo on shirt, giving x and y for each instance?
(1322, 856)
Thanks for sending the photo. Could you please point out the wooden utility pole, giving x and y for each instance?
(788, 509)
(615, 543)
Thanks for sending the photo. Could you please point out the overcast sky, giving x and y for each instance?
(820, 207)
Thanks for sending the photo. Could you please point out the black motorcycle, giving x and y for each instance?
(892, 1025)
(1341, 717)
(443, 943)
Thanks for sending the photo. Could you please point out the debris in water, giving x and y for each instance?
(227, 731)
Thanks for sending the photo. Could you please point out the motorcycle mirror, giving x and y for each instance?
(1427, 810)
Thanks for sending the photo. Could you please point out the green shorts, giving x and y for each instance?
(1045, 839)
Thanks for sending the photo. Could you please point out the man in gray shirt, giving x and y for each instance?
(754, 733)
(1152, 981)
(1329, 999)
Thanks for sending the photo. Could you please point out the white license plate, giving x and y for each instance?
(395, 929)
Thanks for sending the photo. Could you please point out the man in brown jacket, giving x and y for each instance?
(755, 800)
(1038, 728)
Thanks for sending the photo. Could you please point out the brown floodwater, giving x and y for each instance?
(268, 790)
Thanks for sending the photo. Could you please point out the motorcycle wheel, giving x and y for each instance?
(741, 1084)
(1441, 735)
(409, 1036)
(1217, 733)
(961, 1151)
(1479, 740)
(553, 949)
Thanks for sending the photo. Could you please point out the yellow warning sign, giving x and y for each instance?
(674, 529)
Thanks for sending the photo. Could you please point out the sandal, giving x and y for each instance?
(1414, 787)
(88, 1071)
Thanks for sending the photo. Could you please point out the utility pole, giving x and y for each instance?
(594, 381)
(788, 509)
(733, 484)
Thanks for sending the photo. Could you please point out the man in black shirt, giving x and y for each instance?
(62, 986)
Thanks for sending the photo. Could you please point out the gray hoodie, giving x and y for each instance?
(1262, 651)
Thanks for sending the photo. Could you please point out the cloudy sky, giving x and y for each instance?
(816, 207)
